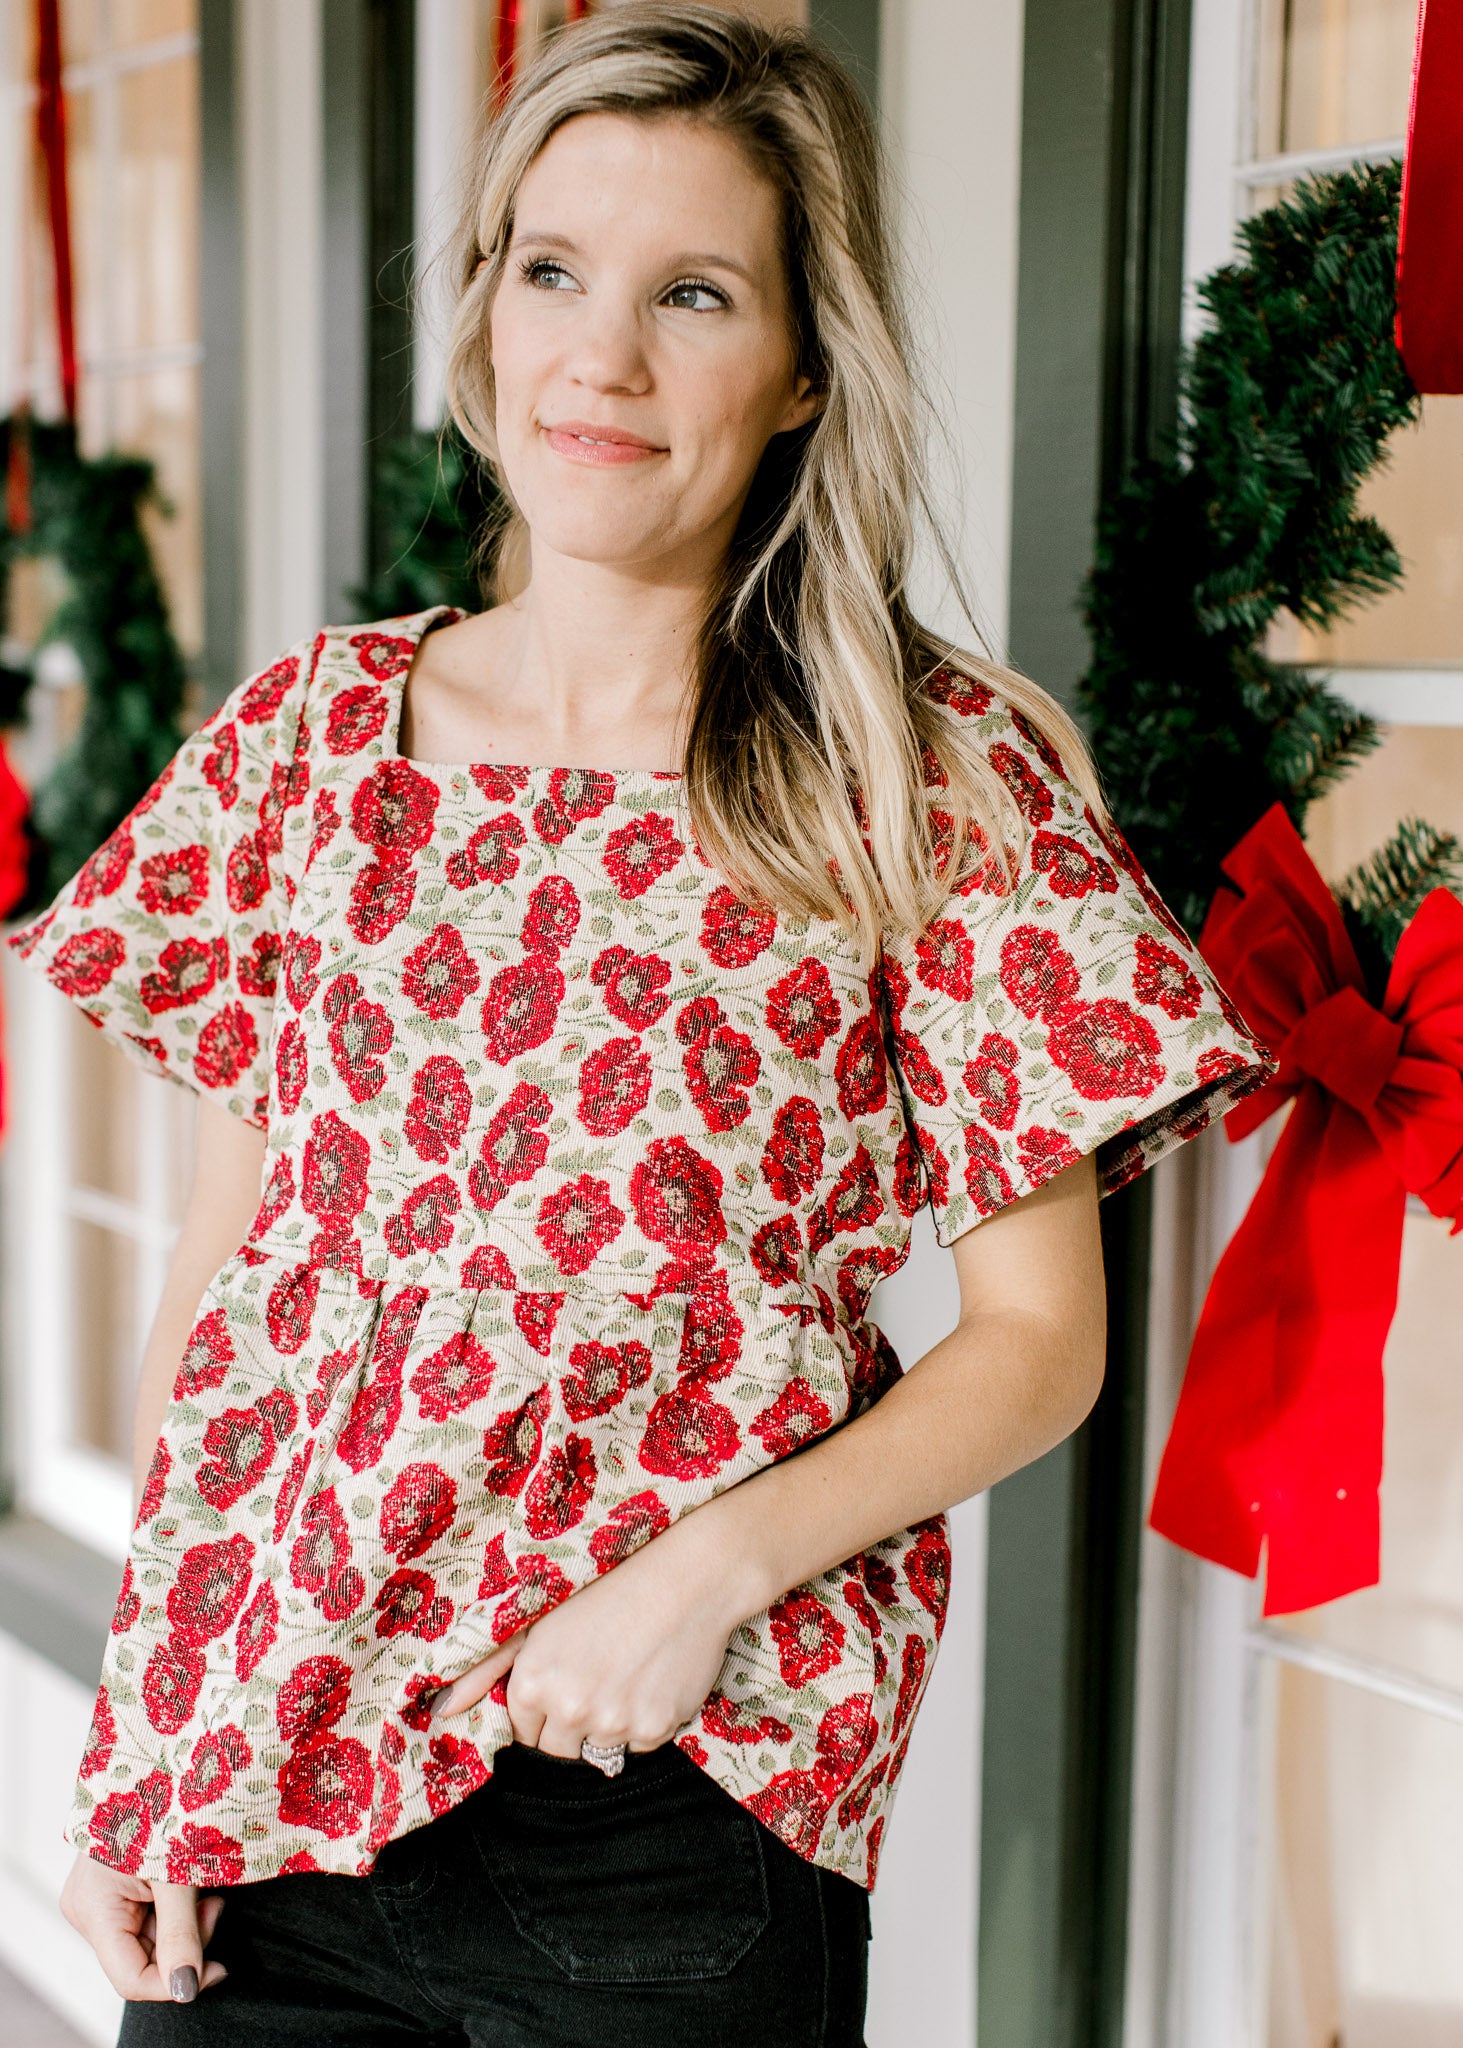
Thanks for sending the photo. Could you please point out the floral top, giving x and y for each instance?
(580, 1172)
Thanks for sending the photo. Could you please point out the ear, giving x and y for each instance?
(804, 405)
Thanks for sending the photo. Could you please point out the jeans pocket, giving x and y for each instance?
(656, 1876)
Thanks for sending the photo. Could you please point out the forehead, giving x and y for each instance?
(648, 180)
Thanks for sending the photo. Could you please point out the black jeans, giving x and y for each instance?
(553, 1908)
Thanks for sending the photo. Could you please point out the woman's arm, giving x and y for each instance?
(150, 1937)
(630, 1657)
(1020, 1370)
(228, 1169)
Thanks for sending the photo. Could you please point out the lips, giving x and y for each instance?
(587, 430)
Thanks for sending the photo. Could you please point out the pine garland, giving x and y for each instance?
(434, 498)
(114, 616)
(1287, 403)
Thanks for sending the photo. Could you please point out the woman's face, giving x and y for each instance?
(643, 293)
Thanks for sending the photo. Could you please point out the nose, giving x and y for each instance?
(606, 346)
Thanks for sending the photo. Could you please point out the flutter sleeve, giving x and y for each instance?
(169, 938)
(1071, 1013)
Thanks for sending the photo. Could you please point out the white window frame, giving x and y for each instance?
(77, 1488)
(1199, 1908)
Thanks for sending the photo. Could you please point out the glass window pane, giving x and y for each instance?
(1366, 1812)
(106, 1353)
(155, 257)
(1333, 72)
(138, 21)
(1417, 495)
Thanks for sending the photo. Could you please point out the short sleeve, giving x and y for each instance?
(1069, 1013)
(169, 938)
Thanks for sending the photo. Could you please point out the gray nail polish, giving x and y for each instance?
(183, 1984)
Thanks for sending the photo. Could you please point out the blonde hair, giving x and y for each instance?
(819, 722)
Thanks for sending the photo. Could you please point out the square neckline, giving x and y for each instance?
(418, 626)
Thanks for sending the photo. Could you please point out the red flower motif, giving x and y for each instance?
(1216, 1061)
(174, 883)
(1037, 971)
(320, 1560)
(960, 692)
(911, 1683)
(171, 1685)
(207, 1355)
(220, 765)
(246, 872)
(551, 916)
(239, 1446)
(731, 1720)
(101, 1736)
(86, 962)
(792, 1159)
(945, 959)
(313, 1697)
(300, 968)
(520, 1008)
(676, 1195)
(418, 1507)
(499, 783)
(803, 1010)
(860, 1273)
(1043, 1153)
(336, 1168)
(257, 971)
(861, 1070)
(373, 1417)
(614, 1086)
(354, 718)
(325, 1784)
(186, 970)
(986, 1179)
(795, 1807)
(536, 1315)
(711, 1331)
(626, 1528)
(361, 1034)
(687, 1435)
(991, 1081)
(453, 1769)
(601, 1375)
(792, 1420)
(119, 1830)
(808, 1636)
(208, 1589)
(776, 1250)
(486, 1268)
(383, 655)
(574, 794)
(1070, 869)
(578, 1221)
(1107, 1047)
(633, 984)
(733, 933)
(454, 1377)
(258, 1626)
(441, 1104)
(1031, 793)
(426, 1219)
(538, 1585)
(638, 854)
(720, 1067)
(129, 1601)
(440, 974)
(511, 1444)
(854, 1202)
(266, 691)
(513, 1146)
(408, 1603)
(1163, 978)
(927, 1569)
(226, 1047)
(380, 898)
(846, 1734)
(561, 1488)
(393, 809)
(491, 855)
(204, 1855)
(291, 1307)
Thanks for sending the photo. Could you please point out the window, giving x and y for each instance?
(1310, 1882)
(96, 1155)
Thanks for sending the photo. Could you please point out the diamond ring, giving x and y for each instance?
(609, 1757)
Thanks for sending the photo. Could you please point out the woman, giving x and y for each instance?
(595, 987)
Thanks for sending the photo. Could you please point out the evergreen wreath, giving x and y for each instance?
(437, 511)
(1287, 402)
(84, 512)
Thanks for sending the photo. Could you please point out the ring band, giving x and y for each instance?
(607, 1757)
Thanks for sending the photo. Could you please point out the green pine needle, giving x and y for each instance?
(1385, 891)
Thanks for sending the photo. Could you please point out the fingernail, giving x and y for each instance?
(183, 1984)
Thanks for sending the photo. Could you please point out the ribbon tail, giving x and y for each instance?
(1277, 1439)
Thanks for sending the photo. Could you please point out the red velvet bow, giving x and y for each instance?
(1278, 1434)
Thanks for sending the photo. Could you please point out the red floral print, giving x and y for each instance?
(580, 1171)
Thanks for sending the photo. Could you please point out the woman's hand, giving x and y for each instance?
(149, 1937)
(628, 1658)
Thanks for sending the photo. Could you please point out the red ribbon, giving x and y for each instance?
(1278, 1435)
(51, 134)
(1429, 326)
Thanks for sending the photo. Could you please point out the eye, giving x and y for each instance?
(531, 270)
(699, 284)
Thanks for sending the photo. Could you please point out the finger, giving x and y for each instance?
(124, 1959)
(178, 1951)
(210, 1905)
(466, 1691)
(555, 1739)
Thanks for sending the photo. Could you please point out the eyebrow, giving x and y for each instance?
(693, 257)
